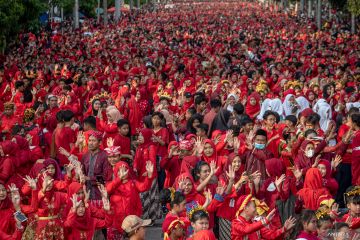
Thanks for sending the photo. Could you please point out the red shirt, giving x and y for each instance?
(63, 138)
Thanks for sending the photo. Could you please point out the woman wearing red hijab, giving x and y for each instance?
(210, 155)
(80, 224)
(124, 195)
(9, 230)
(235, 187)
(133, 113)
(329, 182)
(276, 187)
(146, 151)
(186, 184)
(252, 107)
(8, 150)
(313, 189)
(49, 205)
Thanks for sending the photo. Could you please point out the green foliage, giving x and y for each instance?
(354, 7)
(18, 15)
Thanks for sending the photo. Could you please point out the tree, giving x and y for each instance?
(354, 9)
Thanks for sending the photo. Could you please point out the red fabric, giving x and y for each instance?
(64, 137)
(313, 189)
(204, 235)
(253, 110)
(355, 163)
(329, 182)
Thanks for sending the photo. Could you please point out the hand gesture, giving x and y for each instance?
(279, 181)
(47, 181)
(110, 142)
(255, 176)
(229, 135)
(106, 204)
(199, 146)
(290, 223)
(31, 181)
(230, 174)
(297, 173)
(149, 168)
(63, 151)
(236, 144)
(316, 163)
(86, 194)
(213, 168)
(13, 188)
(103, 191)
(208, 197)
(80, 139)
(336, 161)
(123, 172)
(75, 202)
(182, 183)
(271, 214)
(217, 139)
(220, 189)
(334, 213)
(15, 199)
(244, 178)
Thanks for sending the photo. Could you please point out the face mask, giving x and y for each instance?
(259, 146)
(310, 153)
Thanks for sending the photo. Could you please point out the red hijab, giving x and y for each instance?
(213, 156)
(275, 167)
(251, 110)
(313, 189)
(193, 195)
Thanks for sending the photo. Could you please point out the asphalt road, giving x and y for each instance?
(154, 232)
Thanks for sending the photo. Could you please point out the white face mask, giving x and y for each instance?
(310, 153)
(271, 187)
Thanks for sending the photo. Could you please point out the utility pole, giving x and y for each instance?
(105, 12)
(302, 3)
(117, 10)
(309, 8)
(318, 14)
(131, 2)
(76, 14)
(353, 23)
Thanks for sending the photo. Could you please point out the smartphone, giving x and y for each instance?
(20, 217)
(100, 179)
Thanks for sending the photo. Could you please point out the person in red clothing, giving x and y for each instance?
(109, 127)
(124, 195)
(65, 137)
(8, 119)
(204, 235)
(79, 224)
(173, 228)
(270, 127)
(123, 139)
(243, 226)
(355, 148)
(352, 197)
(326, 173)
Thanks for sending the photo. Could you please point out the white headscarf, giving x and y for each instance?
(324, 110)
(352, 104)
(265, 106)
(287, 106)
(303, 103)
(276, 106)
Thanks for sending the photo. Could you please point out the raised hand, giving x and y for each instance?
(217, 139)
(236, 144)
(229, 135)
(199, 146)
(182, 183)
(279, 181)
(106, 204)
(47, 181)
(110, 142)
(31, 181)
(86, 194)
(103, 191)
(13, 188)
(213, 168)
(336, 161)
(230, 174)
(75, 202)
(149, 168)
(123, 172)
(316, 163)
(290, 223)
(297, 173)
(208, 197)
(63, 151)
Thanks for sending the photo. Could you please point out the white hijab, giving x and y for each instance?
(324, 110)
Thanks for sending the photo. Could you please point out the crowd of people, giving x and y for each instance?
(229, 120)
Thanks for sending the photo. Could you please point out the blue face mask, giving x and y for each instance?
(259, 146)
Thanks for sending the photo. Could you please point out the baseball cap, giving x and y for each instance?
(132, 223)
